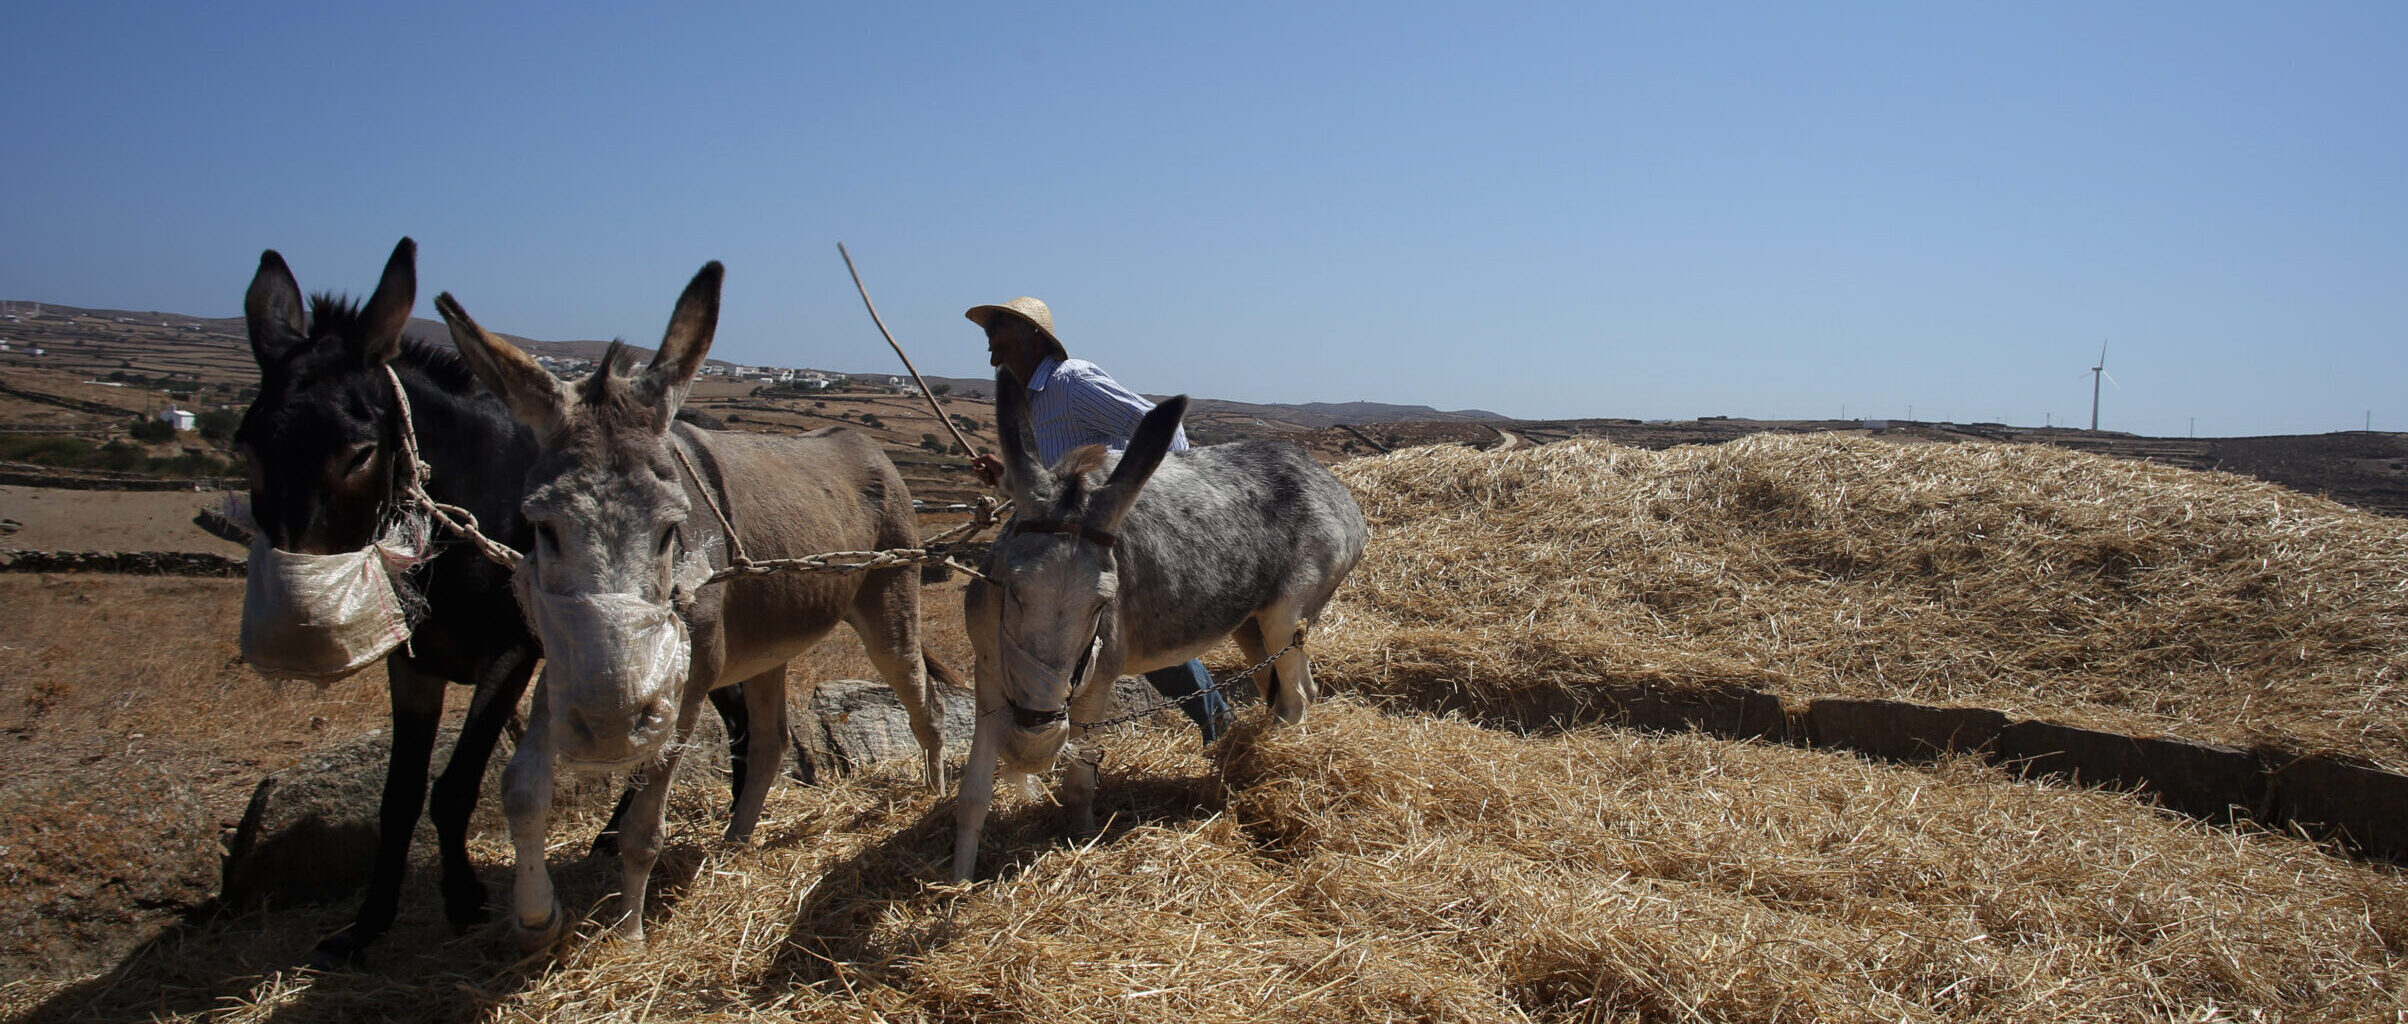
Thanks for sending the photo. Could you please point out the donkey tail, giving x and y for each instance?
(939, 672)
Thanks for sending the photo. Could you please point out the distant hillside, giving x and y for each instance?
(1330, 414)
(1308, 416)
(216, 348)
(99, 366)
(434, 333)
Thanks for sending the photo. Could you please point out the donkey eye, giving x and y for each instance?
(360, 457)
(660, 548)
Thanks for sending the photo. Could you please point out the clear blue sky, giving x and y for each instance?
(1775, 210)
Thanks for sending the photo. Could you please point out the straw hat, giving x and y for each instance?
(1025, 308)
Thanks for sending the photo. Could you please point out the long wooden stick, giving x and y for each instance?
(890, 340)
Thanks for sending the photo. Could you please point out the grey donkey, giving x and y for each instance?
(625, 504)
(1117, 565)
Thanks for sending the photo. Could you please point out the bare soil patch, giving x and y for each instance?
(61, 519)
(131, 736)
(130, 733)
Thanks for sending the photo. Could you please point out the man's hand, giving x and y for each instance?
(988, 468)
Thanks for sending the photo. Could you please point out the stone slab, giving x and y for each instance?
(850, 724)
(309, 834)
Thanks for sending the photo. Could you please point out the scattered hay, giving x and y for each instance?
(1367, 866)
(1613, 875)
(2030, 579)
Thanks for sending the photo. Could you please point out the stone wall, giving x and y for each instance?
(138, 563)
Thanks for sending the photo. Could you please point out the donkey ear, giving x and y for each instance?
(671, 372)
(533, 395)
(1146, 449)
(272, 310)
(389, 309)
(1022, 473)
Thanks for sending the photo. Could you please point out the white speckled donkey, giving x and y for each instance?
(1101, 576)
(622, 500)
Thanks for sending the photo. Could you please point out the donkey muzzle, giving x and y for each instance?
(614, 666)
(320, 617)
(1033, 719)
(1027, 676)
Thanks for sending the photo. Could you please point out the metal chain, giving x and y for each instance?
(1172, 702)
(986, 514)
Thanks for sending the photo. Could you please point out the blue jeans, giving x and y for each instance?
(1206, 709)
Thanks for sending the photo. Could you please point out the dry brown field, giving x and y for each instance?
(57, 519)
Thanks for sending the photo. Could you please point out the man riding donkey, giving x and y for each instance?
(1072, 403)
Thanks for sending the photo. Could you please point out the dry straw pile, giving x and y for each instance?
(2041, 582)
(1368, 866)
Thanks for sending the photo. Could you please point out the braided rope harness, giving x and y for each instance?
(454, 518)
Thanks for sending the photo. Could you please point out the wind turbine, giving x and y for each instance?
(2097, 372)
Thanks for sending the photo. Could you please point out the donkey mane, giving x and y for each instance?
(339, 315)
(610, 385)
(1074, 467)
(443, 366)
(333, 313)
(596, 388)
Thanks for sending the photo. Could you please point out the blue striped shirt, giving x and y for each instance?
(1074, 402)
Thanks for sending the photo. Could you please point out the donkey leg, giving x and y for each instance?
(646, 833)
(757, 767)
(500, 682)
(977, 793)
(1078, 787)
(1249, 637)
(729, 702)
(1092, 704)
(735, 715)
(417, 706)
(1279, 624)
(536, 918)
(886, 614)
(606, 842)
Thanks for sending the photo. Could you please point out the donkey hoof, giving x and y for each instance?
(464, 906)
(336, 952)
(535, 938)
